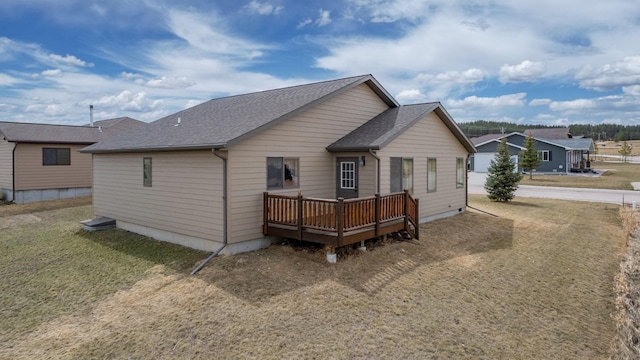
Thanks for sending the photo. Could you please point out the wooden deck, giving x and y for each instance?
(339, 222)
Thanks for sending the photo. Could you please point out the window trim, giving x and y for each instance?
(542, 153)
(435, 175)
(460, 171)
(57, 156)
(147, 167)
(283, 160)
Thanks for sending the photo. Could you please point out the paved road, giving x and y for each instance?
(476, 186)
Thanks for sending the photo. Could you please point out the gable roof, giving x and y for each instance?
(549, 133)
(485, 138)
(382, 129)
(67, 134)
(585, 144)
(47, 133)
(225, 121)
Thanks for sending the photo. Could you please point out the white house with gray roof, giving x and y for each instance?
(197, 177)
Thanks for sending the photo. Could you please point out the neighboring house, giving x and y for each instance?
(41, 161)
(198, 177)
(562, 154)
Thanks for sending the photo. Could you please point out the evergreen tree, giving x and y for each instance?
(529, 159)
(502, 180)
(625, 150)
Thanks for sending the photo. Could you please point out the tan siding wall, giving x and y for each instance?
(185, 197)
(306, 136)
(6, 164)
(32, 175)
(429, 138)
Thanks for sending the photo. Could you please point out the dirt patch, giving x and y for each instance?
(16, 220)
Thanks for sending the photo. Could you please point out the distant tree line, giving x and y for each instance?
(597, 132)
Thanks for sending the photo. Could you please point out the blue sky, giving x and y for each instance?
(544, 62)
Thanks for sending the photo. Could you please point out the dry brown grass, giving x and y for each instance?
(534, 283)
(612, 147)
(627, 287)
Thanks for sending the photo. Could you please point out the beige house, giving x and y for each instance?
(41, 161)
(198, 177)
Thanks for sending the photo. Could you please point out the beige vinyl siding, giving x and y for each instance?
(32, 175)
(306, 137)
(429, 138)
(6, 164)
(185, 196)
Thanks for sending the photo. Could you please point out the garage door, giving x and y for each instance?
(481, 161)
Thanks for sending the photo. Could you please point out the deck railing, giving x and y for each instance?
(339, 218)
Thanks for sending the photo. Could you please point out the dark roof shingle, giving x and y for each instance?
(222, 122)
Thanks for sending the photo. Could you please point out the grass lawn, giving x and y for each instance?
(534, 283)
(617, 176)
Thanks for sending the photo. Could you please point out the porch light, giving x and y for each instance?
(362, 160)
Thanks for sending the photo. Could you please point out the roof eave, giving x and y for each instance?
(154, 149)
(352, 148)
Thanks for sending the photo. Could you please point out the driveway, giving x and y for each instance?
(477, 180)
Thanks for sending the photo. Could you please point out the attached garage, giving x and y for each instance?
(481, 161)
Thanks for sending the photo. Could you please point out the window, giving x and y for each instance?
(544, 155)
(146, 172)
(432, 168)
(56, 156)
(348, 175)
(282, 173)
(459, 172)
(401, 174)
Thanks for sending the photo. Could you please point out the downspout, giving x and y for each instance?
(378, 175)
(466, 181)
(13, 172)
(224, 213)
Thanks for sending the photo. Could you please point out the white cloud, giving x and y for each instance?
(609, 76)
(324, 18)
(256, 7)
(52, 73)
(484, 102)
(207, 33)
(410, 96)
(388, 11)
(46, 109)
(578, 104)
(472, 75)
(6, 80)
(192, 103)
(539, 102)
(128, 101)
(633, 90)
(69, 60)
(175, 82)
(525, 71)
(304, 22)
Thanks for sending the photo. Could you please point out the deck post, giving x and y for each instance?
(265, 213)
(377, 214)
(417, 215)
(300, 218)
(406, 210)
(340, 220)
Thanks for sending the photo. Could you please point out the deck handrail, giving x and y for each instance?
(340, 215)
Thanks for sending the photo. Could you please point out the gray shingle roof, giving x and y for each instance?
(46, 133)
(585, 144)
(67, 134)
(225, 121)
(382, 129)
(485, 138)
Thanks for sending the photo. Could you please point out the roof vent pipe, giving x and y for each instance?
(91, 115)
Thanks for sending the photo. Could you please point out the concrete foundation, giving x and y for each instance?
(27, 196)
(194, 242)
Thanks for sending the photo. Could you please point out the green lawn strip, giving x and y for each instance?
(618, 176)
(53, 267)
